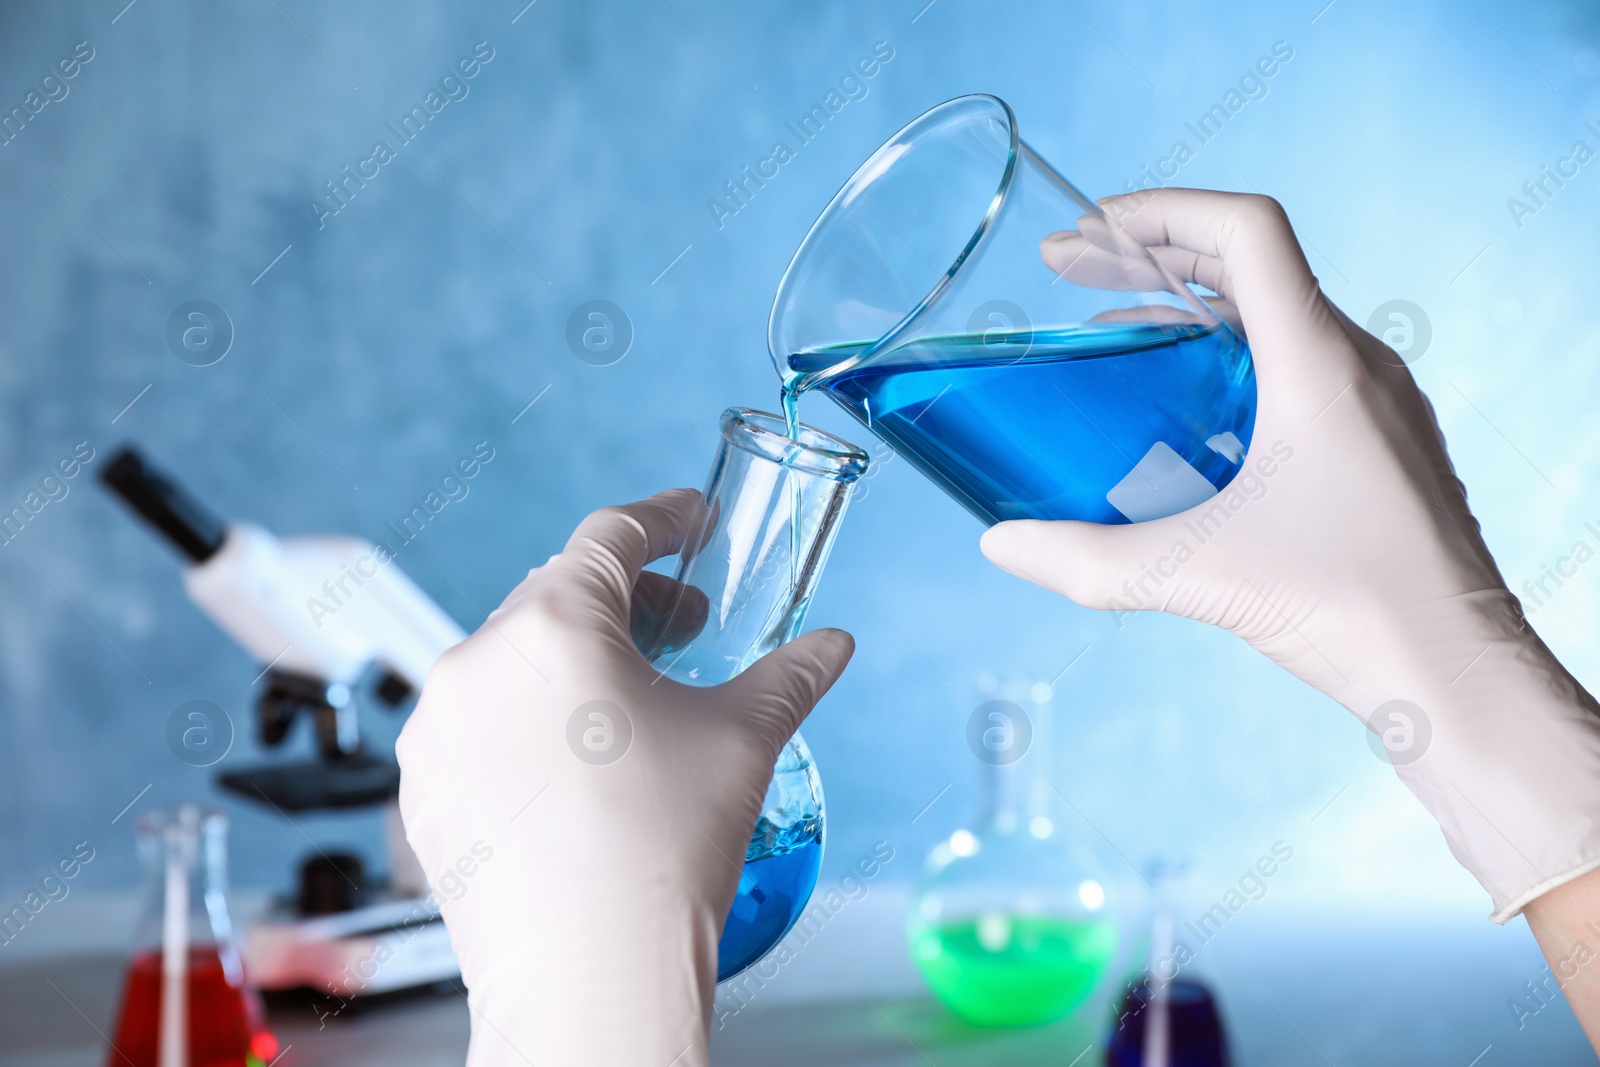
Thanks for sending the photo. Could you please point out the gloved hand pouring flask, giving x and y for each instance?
(743, 583)
(1009, 338)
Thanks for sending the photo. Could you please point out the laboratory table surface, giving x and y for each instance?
(1294, 989)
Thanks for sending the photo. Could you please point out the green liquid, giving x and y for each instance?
(1012, 970)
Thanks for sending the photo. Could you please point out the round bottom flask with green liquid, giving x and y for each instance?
(743, 583)
(1014, 924)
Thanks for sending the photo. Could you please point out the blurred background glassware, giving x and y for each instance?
(741, 588)
(186, 1001)
(1174, 1023)
(1017, 923)
(917, 301)
(1164, 1019)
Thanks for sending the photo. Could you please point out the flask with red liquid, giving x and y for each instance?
(185, 1000)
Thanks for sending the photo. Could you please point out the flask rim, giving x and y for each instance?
(197, 818)
(980, 106)
(816, 452)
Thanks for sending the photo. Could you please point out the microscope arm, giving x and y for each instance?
(323, 607)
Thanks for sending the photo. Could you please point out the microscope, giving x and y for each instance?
(327, 616)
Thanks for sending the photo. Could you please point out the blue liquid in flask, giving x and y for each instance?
(1109, 424)
(780, 871)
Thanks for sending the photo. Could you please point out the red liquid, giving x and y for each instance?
(225, 1027)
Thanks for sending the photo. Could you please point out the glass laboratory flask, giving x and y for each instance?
(1099, 387)
(1016, 924)
(1174, 1023)
(185, 1000)
(742, 586)
(1163, 1017)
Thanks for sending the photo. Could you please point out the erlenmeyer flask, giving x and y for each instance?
(1163, 1018)
(1015, 924)
(185, 1000)
(1101, 388)
(743, 583)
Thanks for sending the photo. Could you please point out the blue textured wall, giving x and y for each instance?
(427, 312)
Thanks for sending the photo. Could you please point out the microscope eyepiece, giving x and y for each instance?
(164, 504)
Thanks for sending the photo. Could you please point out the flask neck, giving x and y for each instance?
(184, 855)
(1019, 796)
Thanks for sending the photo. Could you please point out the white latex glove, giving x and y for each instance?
(585, 900)
(1344, 550)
